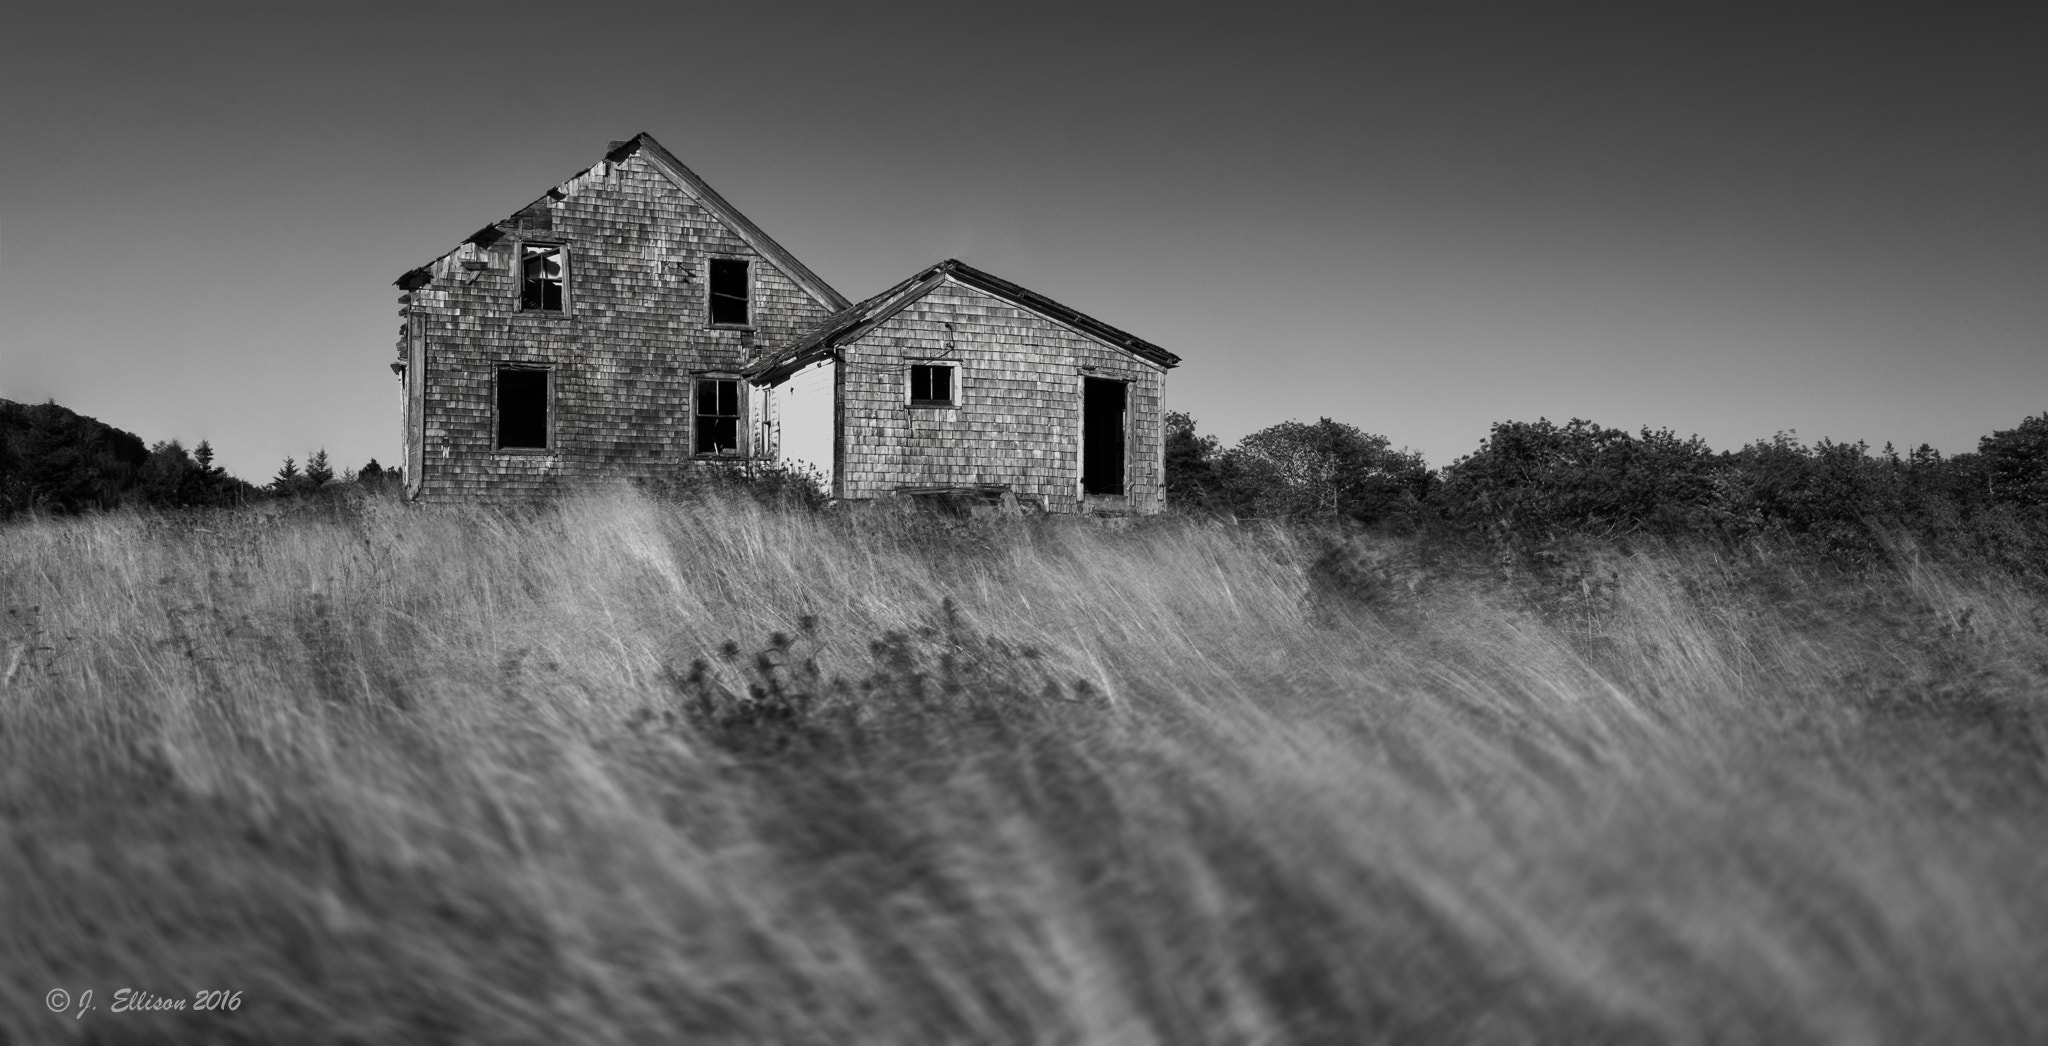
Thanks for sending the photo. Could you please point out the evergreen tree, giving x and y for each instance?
(203, 454)
(318, 472)
(287, 478)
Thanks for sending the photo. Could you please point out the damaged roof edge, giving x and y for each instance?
(414, 279)
(686, 180)
(483, 237)
(856, 320)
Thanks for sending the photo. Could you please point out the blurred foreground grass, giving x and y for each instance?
(620, 770)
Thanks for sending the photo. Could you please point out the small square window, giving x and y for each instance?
(931, 385)
(540, 277)
(732, 293)
(717, 417)
(522, 408)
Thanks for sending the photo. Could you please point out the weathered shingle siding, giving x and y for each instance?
(1019, 416)
(623, 354)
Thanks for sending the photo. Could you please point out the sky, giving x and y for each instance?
(1419, 219)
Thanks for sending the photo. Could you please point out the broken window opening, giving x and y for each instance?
(931, 385)
(522, 408)
(732, 293)
(540, 277)
(717, 416)
(1103, 417)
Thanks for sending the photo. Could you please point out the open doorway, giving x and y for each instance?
(1102, 435)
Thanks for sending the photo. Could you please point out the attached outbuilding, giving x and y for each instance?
(956, 379)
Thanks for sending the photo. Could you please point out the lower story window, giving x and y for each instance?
(522, 408)
(717, 417)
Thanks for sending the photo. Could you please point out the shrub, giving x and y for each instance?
(765, 482)
(1192, 479)
(1538, 479)
(2014, 464)
(1325, 472)
(1532, 484)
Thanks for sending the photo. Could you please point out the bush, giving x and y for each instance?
(1539, 479)
(1192, 478)
(765, 482)
(1320, 473)
(2014, 464)
(1532, 484)
(1323, 472)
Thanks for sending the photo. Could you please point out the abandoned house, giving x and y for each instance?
(631, 323)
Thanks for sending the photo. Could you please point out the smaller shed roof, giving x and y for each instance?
(859, 318)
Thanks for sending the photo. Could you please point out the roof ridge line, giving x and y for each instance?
(690, 183)
(694, 184)
(876, 308)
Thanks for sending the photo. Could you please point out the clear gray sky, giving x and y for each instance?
(1416, 218)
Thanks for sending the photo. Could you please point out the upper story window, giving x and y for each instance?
(717, 417)
(542, 275)
(732, 293)
(932, 385)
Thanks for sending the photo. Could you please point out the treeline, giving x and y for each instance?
(1535, 482)
(318, 475)
(55, 460)
(1528, 484)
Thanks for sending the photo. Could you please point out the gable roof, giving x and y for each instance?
(861, 317)
(692, 186)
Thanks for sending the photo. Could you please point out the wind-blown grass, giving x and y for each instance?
(425, 774)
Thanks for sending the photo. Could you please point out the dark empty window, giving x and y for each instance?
(540, 277)
(732, 292)
(931, 385)
(717, 416)
(522, 409)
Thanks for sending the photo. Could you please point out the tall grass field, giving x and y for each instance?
(623, 770)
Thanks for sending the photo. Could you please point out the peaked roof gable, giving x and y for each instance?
(856, 320)
(763, 244)
(687, 182)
